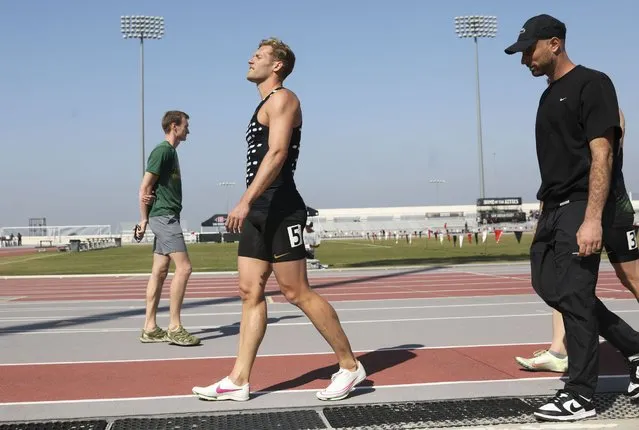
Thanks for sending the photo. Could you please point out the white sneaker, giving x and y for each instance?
(566, 406)
(543, 360)
(633, 386)
(342, 383)
(223, 390)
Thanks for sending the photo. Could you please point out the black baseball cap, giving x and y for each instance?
(538, 27)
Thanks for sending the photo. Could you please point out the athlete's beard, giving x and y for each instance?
(548, 69)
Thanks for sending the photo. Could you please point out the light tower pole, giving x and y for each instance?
(142, 27)
(477, 26)
(437, 182)
(226, 185)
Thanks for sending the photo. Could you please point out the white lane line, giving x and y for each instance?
(495, 275)
(424, 289)
(366, 245)
(10, 299)
(292, 310)
(24, 332)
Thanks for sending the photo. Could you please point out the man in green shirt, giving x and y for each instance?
(160, 208)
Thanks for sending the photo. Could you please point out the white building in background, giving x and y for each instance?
(356, 222)
(333, 222)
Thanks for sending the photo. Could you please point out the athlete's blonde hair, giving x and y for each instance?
(281, 52)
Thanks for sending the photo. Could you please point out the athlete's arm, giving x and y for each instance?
(281, 111)
(146, 196)
(589, 236)
(600, 175)
(600, 112)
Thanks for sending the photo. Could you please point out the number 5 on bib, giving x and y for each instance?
(295, 235)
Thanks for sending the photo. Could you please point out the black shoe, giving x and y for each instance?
(633, 386)
(566, 406)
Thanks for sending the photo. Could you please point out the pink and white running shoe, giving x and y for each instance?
(342, 383)
(223, 390)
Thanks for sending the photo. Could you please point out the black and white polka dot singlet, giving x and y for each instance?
(282, 195)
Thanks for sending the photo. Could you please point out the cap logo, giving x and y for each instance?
(522, 31)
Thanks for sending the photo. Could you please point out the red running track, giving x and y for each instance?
(408, 286)
(81, 381)
(170, 377)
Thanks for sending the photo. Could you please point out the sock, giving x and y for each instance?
(557, 355)
(229, 382)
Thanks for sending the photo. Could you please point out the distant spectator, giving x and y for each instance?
(311, 241)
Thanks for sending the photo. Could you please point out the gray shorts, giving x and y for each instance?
(168, 234)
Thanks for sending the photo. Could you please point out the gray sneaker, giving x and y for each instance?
(154, 336)
(182, 337)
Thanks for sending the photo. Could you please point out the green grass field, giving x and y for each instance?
(222, 257)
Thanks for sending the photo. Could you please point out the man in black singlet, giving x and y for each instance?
(270, 217)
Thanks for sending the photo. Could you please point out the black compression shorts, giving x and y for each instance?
(621, 244)
(273, 237)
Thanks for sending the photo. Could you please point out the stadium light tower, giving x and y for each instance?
(437, 182)
(226, 185)
(142, 27)
(477, 26)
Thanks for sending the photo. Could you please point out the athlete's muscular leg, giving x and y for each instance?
(558, 344)
(159, 271)
(181, 276)
(293, 281)
(253, 274)
(628, 274)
